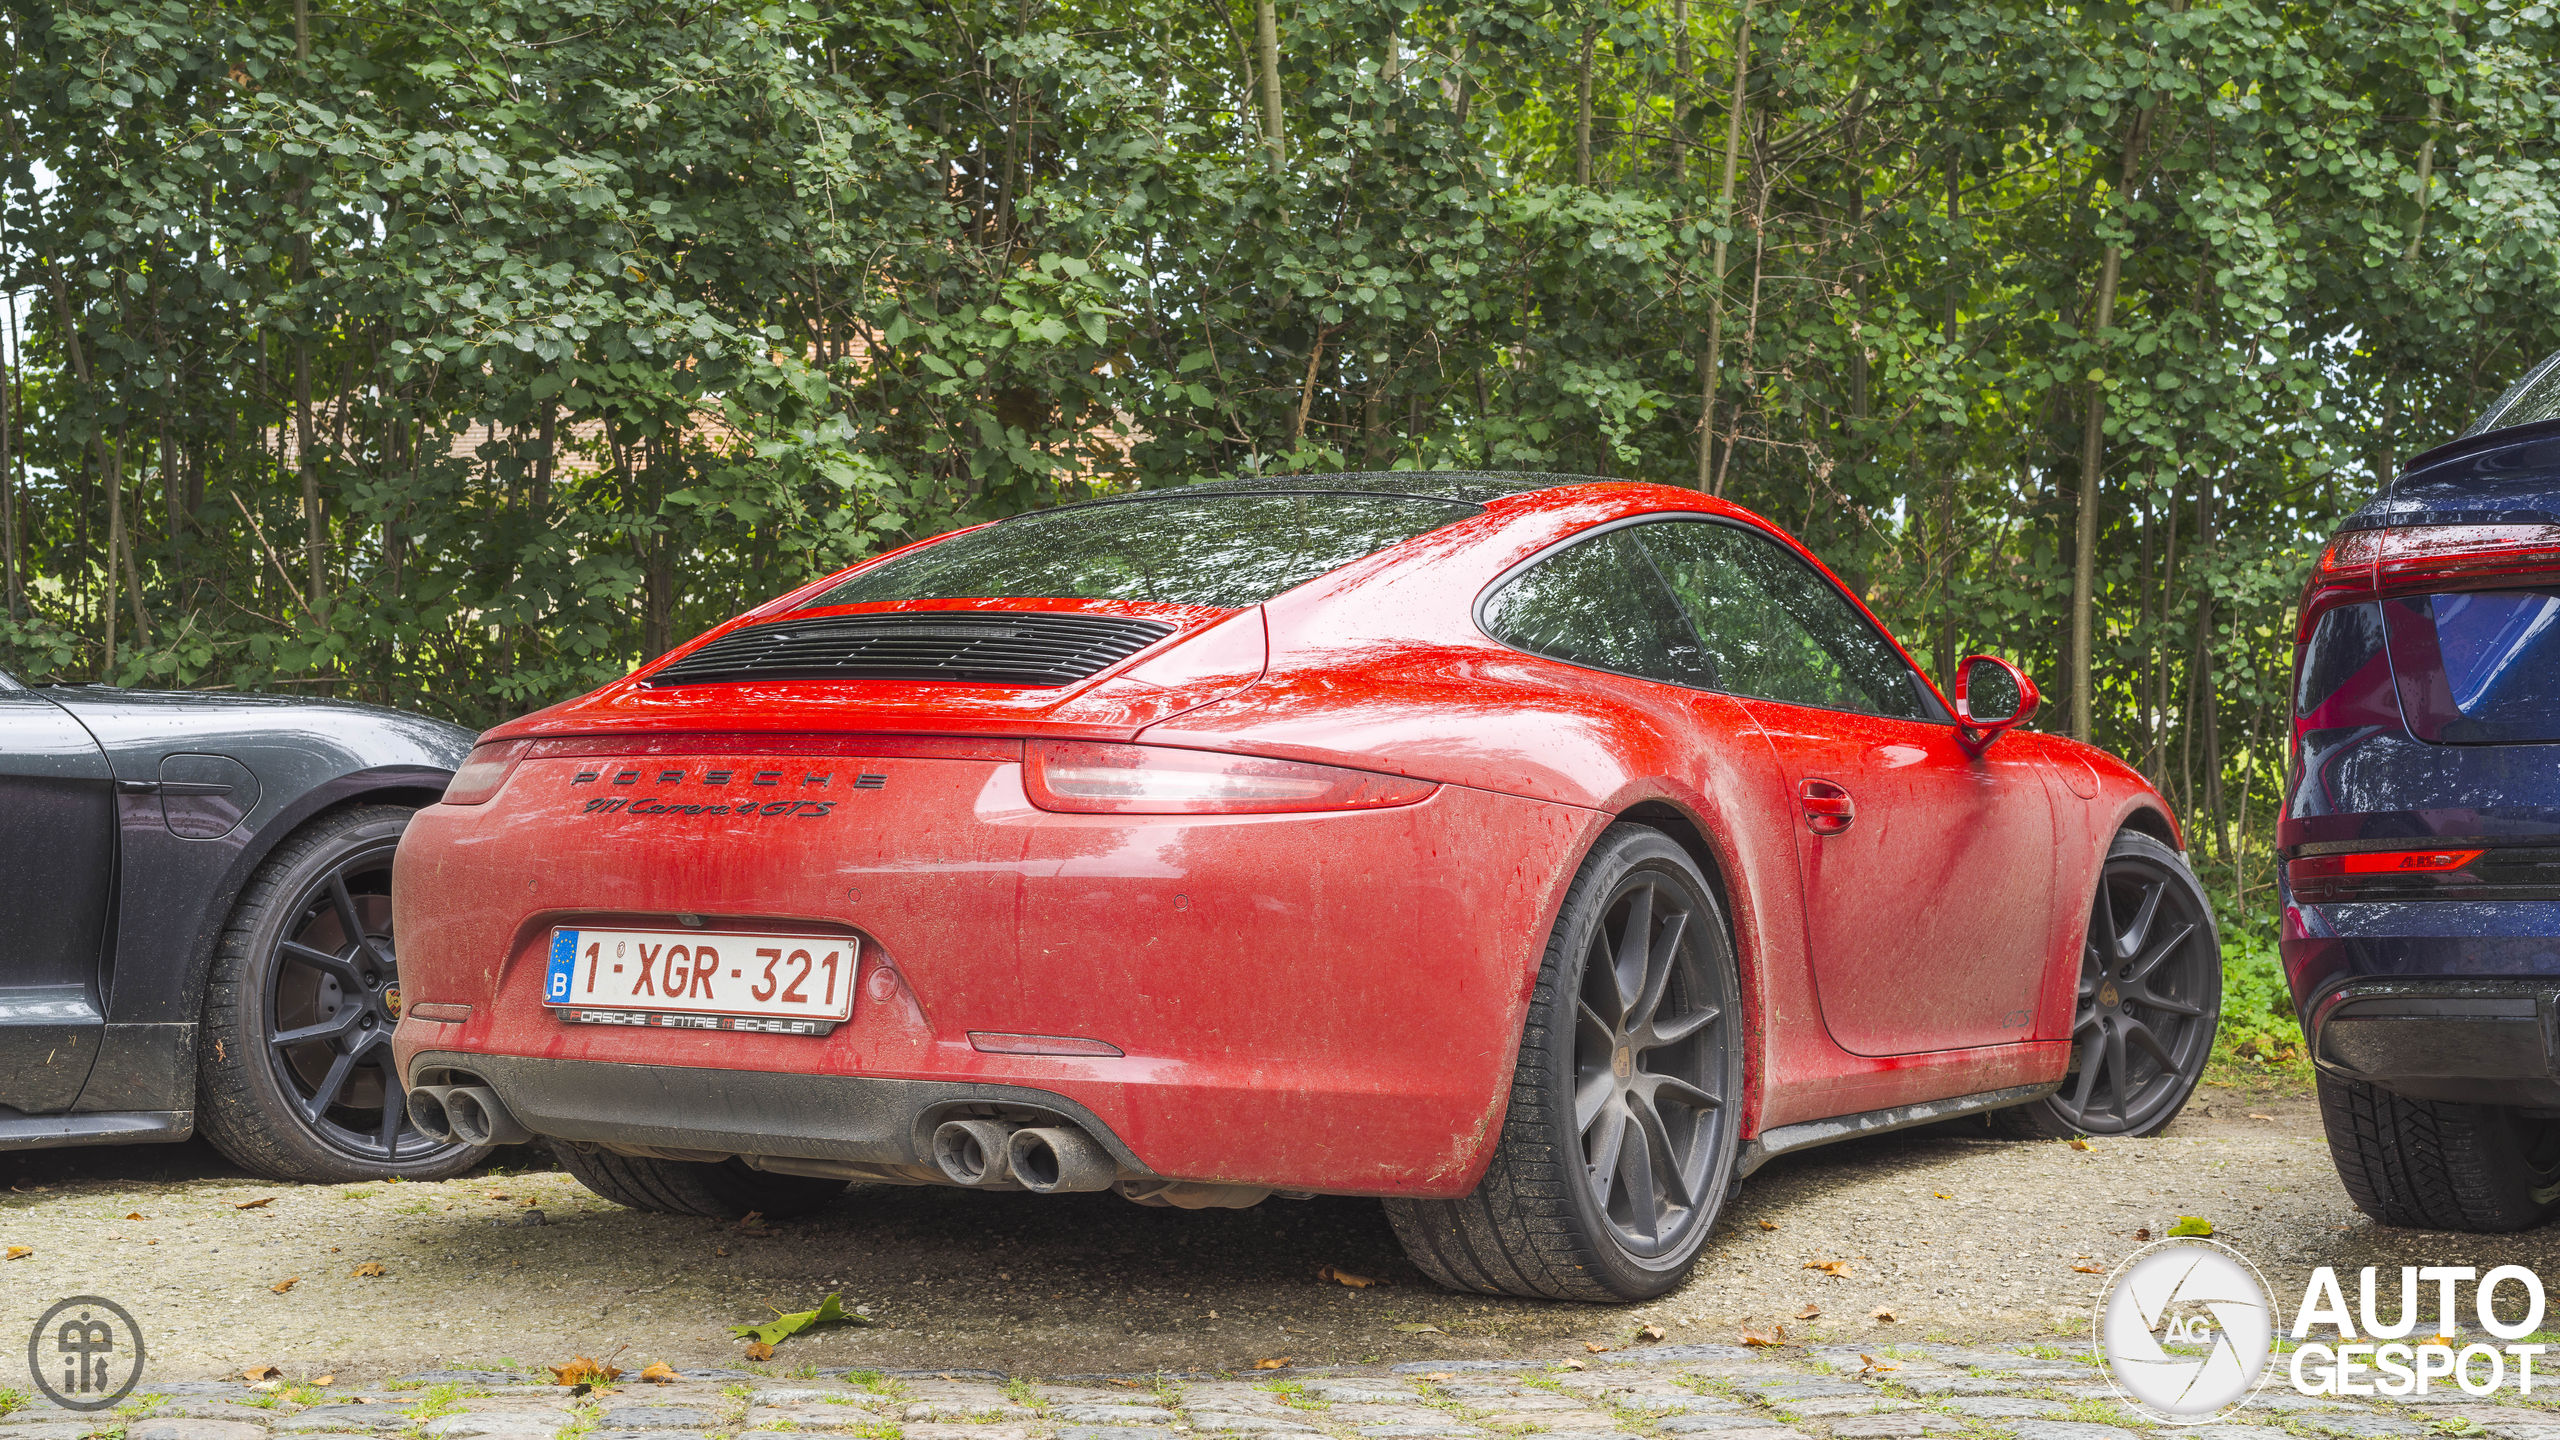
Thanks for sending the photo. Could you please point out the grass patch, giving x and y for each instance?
(12, 1401)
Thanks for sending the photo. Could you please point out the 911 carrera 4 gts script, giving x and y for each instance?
(805, 809)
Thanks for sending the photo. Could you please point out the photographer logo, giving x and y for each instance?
(2185, 1329)
(86, 1353)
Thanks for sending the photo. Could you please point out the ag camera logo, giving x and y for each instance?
(2186, 1328)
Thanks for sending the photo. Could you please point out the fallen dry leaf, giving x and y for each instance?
(583, 1371)
(1596, 1348)
(254, 1204)
(2144, 1234)
(1768, 1225)
(1276, 1362)
(752, 1223)
(1941, 1194)
(497, 1194)
(1561, 1365)
(1344, 1277)
(367, 1270)
(2079, 1144)
(1777, 1335)
(720, 1250)
(326, 1380)
(1438, 1376)
(19, 1252)
(1809, 1312)
(659, 1373)
(1828, 1267)
(2254, 1115)
(282, 1286)
(137, 1215)
(2088, 1270)
(1874, 1366)
(1651, 1333)
(260, 1372)
(758, 1350)
(1881, 1313)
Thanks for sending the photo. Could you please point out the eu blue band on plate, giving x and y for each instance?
(564, 965)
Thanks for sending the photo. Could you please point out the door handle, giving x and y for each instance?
(1828, 810)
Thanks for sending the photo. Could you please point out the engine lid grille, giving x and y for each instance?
(1012, 648)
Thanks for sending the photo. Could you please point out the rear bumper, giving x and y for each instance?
(1324, 1002)
(2481, 1042)
(864, 1119)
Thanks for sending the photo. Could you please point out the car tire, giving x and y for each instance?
(2436, 1165)
(1546, 1221)
(330, 1108)
(721, 1189)
(2149, 1001)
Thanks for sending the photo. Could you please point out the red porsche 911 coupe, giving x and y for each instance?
(1538, 853)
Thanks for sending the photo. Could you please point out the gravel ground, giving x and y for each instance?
(1964, 1238)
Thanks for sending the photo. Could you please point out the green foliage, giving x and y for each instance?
(462, 356)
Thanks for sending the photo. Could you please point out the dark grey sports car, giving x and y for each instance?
(195, 924)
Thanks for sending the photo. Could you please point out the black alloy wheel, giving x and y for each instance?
(333, 999)
(1619, 1146)
(2149, 999)
(296, 1074)
(1645, 1050)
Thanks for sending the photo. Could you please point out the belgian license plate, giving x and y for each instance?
(693, 980)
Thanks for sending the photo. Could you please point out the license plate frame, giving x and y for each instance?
(661, 979)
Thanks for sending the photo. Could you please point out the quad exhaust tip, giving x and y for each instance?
(1055, 1161)
(471, 1114)
(974, 1152)
(428, 1112)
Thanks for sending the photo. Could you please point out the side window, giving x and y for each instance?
(1599, 603)
(1772, 627)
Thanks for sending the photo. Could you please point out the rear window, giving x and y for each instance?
(2535, 397)
(1230, 550)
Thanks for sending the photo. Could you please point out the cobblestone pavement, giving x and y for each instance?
(1911, 1392)
(1962, 1238)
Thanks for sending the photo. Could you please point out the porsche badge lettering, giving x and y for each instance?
(680, 803)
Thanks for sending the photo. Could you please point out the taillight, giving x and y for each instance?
(1095, 779)
(2361, 564)
(2429, 554)
(2343, 575)
(485, 770)
(2379, 862)
(2378, 875)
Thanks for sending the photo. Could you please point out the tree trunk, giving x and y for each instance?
(658, 621)
(1266, 27)
(2426, 176)
(1711, 371)
(1684, 79)
(132, 568)
(1946, 646)
(8, 477)
(315, 534)
(2092, 463)
(1582, 108)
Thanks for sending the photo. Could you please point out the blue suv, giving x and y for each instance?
(2421, 830)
